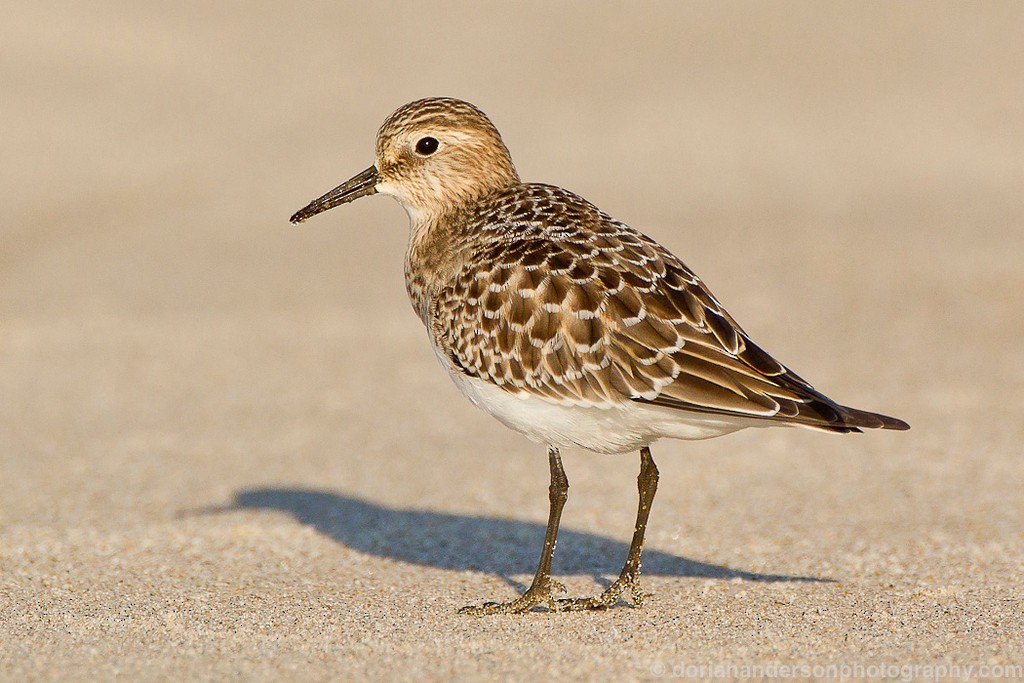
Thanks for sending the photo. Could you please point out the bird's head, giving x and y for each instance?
(433, 155)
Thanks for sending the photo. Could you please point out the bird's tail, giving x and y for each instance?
(845, 419)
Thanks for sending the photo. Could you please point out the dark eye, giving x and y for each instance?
(426, 146)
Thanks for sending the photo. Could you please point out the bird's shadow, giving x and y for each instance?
(468, 542)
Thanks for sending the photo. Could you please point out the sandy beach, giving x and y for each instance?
(228, 453)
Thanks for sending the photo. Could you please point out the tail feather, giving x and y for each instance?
(819, 413)
(828, 416)
(862, 419)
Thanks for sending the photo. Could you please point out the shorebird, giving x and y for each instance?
(565, 324)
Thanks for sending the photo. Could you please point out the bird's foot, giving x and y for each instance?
(539, 594)
(627, 580)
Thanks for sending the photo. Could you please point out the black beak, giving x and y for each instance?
(360, 186)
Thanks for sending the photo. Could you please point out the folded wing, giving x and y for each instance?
(594, 313)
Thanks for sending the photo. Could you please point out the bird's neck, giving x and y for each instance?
(434, 255)
(439, 246)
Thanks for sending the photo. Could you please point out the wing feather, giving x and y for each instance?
(578, 308)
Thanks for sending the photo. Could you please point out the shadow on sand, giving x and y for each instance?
(465, 542)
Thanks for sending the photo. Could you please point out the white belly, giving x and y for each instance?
(613, 429)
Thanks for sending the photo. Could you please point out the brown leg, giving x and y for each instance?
(629, 577)
(539, 592)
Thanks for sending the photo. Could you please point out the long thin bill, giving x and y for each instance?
(360, 186)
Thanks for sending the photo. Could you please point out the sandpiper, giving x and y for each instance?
(565, 324)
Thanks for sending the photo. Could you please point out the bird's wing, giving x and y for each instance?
(596, 313)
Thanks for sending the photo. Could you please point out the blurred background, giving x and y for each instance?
(847, 178)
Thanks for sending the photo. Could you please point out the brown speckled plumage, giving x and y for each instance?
(554, 298)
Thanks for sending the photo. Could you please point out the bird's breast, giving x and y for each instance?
(431, 262)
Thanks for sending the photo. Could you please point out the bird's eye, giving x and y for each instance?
(426, 146)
